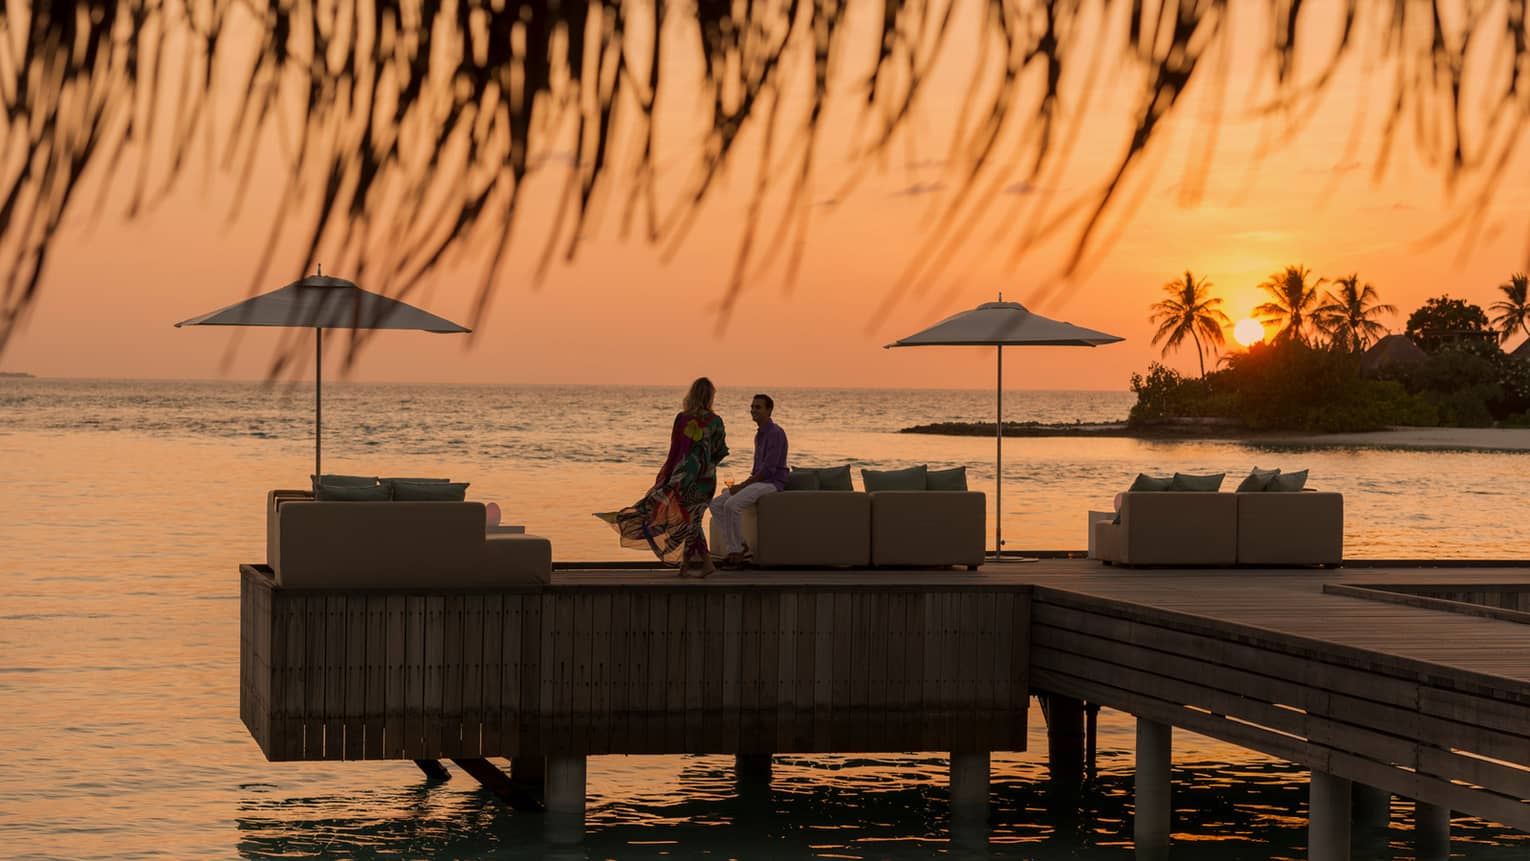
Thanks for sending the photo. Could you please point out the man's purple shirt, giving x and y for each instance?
(770, 454)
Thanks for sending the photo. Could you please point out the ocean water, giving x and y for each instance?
(129, 505)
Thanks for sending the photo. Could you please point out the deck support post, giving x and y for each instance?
(1065, 739)
(1328, 817)
(969, 783)
(1153, 802)
(1091, 736)
(752, 767)
(1431, 831)
(1371, 808)
(565, 784)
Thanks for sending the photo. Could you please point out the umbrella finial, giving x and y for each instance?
(318, 268)
(1001, 295)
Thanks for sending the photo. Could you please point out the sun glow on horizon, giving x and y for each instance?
(1248, 332)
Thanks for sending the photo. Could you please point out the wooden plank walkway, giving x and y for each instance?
(1432, 705)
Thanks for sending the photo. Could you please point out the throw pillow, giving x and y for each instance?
(1288, 482)
(1147, 482)
(802, 479)
(391, 482)
(341, 481)
(913, 478)
(835, 478)
(946, 479)
(429, 491)
(1258, 479)
(1197, 483)
(348, 493)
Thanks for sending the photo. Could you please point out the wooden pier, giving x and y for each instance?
(1409, 680)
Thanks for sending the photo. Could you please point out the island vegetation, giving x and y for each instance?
(1331, 366)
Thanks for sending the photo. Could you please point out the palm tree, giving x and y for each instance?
(1189, 312)
(1347, 316)
(1514, 311)
(1294, 303)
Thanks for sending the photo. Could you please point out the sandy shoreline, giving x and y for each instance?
(1461, 439)
(1438, 439)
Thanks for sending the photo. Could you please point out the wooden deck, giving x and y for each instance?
(1398, 694)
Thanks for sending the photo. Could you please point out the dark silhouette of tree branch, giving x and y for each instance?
(409, 127)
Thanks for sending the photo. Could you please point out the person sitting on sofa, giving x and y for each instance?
(768, 476)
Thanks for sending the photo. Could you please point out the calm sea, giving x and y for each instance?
(129, 505)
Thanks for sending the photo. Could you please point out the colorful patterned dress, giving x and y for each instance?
(667, 520)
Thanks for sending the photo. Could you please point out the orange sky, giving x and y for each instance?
(618, 314)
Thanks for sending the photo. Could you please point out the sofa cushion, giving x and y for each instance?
(1288, 482)
(322, 484)
(802, 479)
(913, 478)
(1145, 482)
(349, 493)
(390, 482)
(1257, 480)
(835, 478)
(429, 491)
(1197, 483)
(946, 479)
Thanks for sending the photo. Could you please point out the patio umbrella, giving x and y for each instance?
(320, 302)
(1003, 324)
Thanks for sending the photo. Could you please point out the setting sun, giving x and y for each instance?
(1248, 332)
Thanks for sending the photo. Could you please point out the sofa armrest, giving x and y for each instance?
(813, 527)
(516, 559)
(274, 500)
(928, 527)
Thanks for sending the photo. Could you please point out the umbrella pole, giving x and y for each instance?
(318, 397)
(998, 467)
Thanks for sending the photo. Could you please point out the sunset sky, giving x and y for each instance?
(620, 314)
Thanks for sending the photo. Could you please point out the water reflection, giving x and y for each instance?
(892, 807)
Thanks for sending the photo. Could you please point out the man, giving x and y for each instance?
(768, 476)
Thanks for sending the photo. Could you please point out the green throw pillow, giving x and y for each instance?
(835, 478)
(391, 483)
(913, 478)
(429, 491)
(347, 493)
(946, 479)
(1288, 482)
(1258, 479)
(1197, 483)
(802, 479)
(1147, 482)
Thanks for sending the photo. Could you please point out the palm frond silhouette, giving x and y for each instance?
(410, 126)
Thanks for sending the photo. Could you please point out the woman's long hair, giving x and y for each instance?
(699, 398)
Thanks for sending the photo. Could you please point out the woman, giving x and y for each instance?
(667, 519)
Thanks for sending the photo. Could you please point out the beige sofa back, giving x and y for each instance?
(397, 545)
(886, 528)
(1169, 528)
(1290, 528)
(813, 527)
(928, 527)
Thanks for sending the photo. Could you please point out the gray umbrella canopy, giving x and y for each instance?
(1003, 324)
(320, 302)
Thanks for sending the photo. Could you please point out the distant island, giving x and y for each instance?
(16, 375)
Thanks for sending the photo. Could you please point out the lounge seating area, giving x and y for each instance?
(911, 518)
(387, 543)
(1253, 526)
